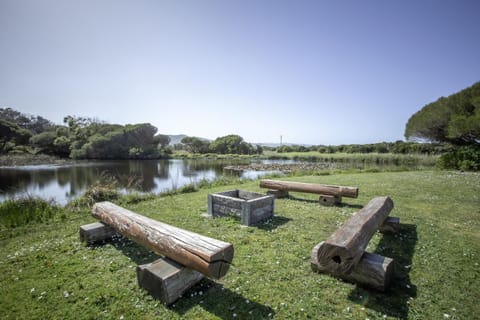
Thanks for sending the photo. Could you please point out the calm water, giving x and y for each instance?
(64, 183)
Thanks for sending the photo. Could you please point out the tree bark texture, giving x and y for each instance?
(342, 251)
(351, 192)
(207, 255)
(373, 270)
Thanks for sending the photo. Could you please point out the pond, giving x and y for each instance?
(66, 182)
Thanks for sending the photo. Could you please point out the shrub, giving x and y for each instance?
(466, 158)
(22, 211)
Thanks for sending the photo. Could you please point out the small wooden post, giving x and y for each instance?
(328, 200)
(390, 225)
(166, 280)
(96, 232)
(279, 194)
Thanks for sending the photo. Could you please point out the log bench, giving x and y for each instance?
(343, 253)
(188, 256)
(329, 194)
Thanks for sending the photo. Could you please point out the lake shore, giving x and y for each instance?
(30, 160)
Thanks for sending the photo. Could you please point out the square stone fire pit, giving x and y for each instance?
(250, 207)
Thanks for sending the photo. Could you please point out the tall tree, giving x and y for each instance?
(454, 119)
(35, 124)
(231, 144)
(12, 135)
(196, 145)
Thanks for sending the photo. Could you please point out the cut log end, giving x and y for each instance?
(334, 259)
(372, 271)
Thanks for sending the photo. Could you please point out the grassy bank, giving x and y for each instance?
(424, 160)
(45, 272)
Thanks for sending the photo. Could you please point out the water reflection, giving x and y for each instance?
(64, 183)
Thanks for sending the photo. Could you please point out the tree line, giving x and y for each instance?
(398, 147)
(449, 126)
(90, 138)
(229, 144)
(78, 138)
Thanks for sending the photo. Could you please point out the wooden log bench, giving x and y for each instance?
(343, 253)
(329, 194)
(188, 256)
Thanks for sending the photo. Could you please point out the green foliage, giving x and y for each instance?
(455, 119)
(161, 140)
(93, 140)
(231, 144)
(51, 143)
(34, 124)
(466, 158)
(99, 191)
(196, 145)
(12, 135)
(19, 212)
(381, 147)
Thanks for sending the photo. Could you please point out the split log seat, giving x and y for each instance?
(188, 256)
(329, 194)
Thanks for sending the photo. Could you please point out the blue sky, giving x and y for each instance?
(315, 72)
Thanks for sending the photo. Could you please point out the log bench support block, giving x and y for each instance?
(166, 280)
(96, 232)
(372, 271)
(390, 225)
(278, 194)
(328, 200)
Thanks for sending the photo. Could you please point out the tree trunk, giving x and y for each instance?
(206, 255)
(351, 192)
(341, 252)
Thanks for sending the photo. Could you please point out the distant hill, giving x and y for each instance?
(177, 138)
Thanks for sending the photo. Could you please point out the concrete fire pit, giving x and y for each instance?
(250, 207)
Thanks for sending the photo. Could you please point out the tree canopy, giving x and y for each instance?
(454, 119)
(231, 144)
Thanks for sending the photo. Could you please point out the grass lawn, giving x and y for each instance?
(45, 272)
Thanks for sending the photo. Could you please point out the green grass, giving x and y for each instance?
(28, 210)
(45, 272)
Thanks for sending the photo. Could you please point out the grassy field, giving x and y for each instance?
(45, 272)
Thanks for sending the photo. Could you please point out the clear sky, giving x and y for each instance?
(315, 72)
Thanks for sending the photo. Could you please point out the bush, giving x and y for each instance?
(465, 158)
(18, 212)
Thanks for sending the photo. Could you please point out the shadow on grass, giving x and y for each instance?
(394, 302)
(341, 204)
(134, 251)
(220, 301)
(272, 223)
(211, 296)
